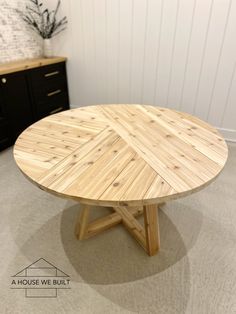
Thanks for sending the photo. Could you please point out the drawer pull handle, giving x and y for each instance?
(51, 74)
(4, 80)
(58, 91)
(56, 110)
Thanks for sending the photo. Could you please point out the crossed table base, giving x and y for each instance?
(148, 236)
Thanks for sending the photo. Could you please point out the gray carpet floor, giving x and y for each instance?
(194, 272)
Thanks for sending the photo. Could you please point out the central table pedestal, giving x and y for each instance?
(148, 236)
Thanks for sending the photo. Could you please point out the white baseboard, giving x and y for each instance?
(228, 134)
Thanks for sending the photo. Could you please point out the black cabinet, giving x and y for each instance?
(49, 89)
(28, 96)
(4, 124)
(16, 103)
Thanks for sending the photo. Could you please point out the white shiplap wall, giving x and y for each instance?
(174, 53)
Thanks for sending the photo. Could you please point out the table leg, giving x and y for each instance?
(151, 229)
(82, 223)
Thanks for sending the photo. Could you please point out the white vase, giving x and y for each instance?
(47, 48)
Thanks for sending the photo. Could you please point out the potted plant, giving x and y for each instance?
(44, 22)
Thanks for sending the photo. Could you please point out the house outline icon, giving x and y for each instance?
(38, 269)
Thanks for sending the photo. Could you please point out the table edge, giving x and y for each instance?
(112, 203)
(129, 203)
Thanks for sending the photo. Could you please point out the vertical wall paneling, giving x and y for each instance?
(140, 15)
(89, 52)
(186, 62)
(175, 53)
(112, 49)
(66, 43)
(99, 16)
(225, 75)
(172, 52)
(79, 56)
(205, 44)
(196, 51)
(229, 117)
(125, 49)
(153, 31)
(219, 58)
(158, 52)
(166, 47)
(181, 53)
(213, 49)
(144, 49)
(131, 51)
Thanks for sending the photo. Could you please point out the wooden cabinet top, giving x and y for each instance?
(16, 66)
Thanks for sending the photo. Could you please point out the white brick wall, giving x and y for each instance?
(17, 40)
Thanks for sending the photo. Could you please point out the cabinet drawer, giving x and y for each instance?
(50, 106)
(51, 96)
(46, 75)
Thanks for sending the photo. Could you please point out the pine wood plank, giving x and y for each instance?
(143, 146)
(53, 134)
(96, 178)
(132, 225)
(152, 229)
(68, 120)
(126, 178)
(167, 119)
(47, 143)
(109, 221)
(82, 223)
(159, 187)
(64, 173)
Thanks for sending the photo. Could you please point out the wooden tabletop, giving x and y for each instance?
(121, 154)
(22, 65)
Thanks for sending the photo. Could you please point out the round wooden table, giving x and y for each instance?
(128, 157)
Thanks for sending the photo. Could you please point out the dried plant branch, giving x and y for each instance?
(43, 21)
